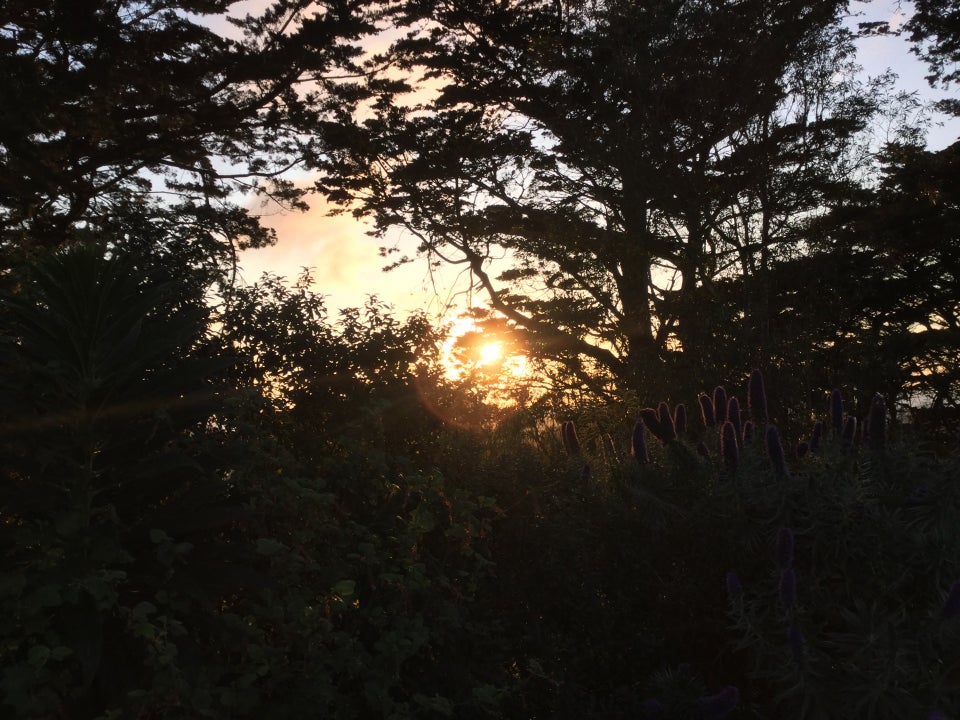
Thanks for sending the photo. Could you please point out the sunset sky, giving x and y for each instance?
(345, 262)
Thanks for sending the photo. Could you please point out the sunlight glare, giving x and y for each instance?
(489, 353)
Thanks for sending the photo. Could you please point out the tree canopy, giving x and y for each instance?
(115, 111)
(641, 168)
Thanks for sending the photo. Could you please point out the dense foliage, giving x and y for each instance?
(178, 543)
(224, 501)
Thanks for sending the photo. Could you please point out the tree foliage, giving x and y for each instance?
(627, 160)
(115, 109)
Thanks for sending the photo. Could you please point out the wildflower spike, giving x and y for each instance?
(666, 423)
(747, 432)
(720, 404)
(680, 419)
(706, 410)
(757, 397)
(729, 447)
(816, 437)
(638, 443)
(849, 432)
(775, 451)
(733, 415)
(570, 440)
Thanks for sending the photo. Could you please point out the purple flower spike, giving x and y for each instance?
(734, 588)
(706, 411)
(836, 410)
(720, 404)
(651, 419)
(653, 709)
(816, 437)
(716, 707)
(803, 447)
(638, 443)
(796, 643)
(680, 419)
(568, 433)
(785, 548)
(757, 397)
(733, 415)
(666, 423)
(586, 474)
(951, 608)
(849, 432)
(748, 432)
(788, 588)
(775, 451)
(937, 715)
(728, 446)
(878, 423)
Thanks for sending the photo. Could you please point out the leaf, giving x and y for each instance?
(344, 588)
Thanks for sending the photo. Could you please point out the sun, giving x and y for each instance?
(490, 353)
(487, 352)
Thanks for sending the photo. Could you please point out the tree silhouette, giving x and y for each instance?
(642, 167)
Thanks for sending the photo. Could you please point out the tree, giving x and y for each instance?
(118, 111)
(934, 30)
(625, 159)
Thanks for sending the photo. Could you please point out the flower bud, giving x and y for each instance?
(568, 433)
(849, 432)
(733, 415)
(720, 404)
(706, 411)
(651, 419)
(666, 423)
(680, 419)
(728, 446)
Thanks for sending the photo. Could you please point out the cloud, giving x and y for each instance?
(344, 261)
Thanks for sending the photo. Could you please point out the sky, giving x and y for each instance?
(346, 264)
